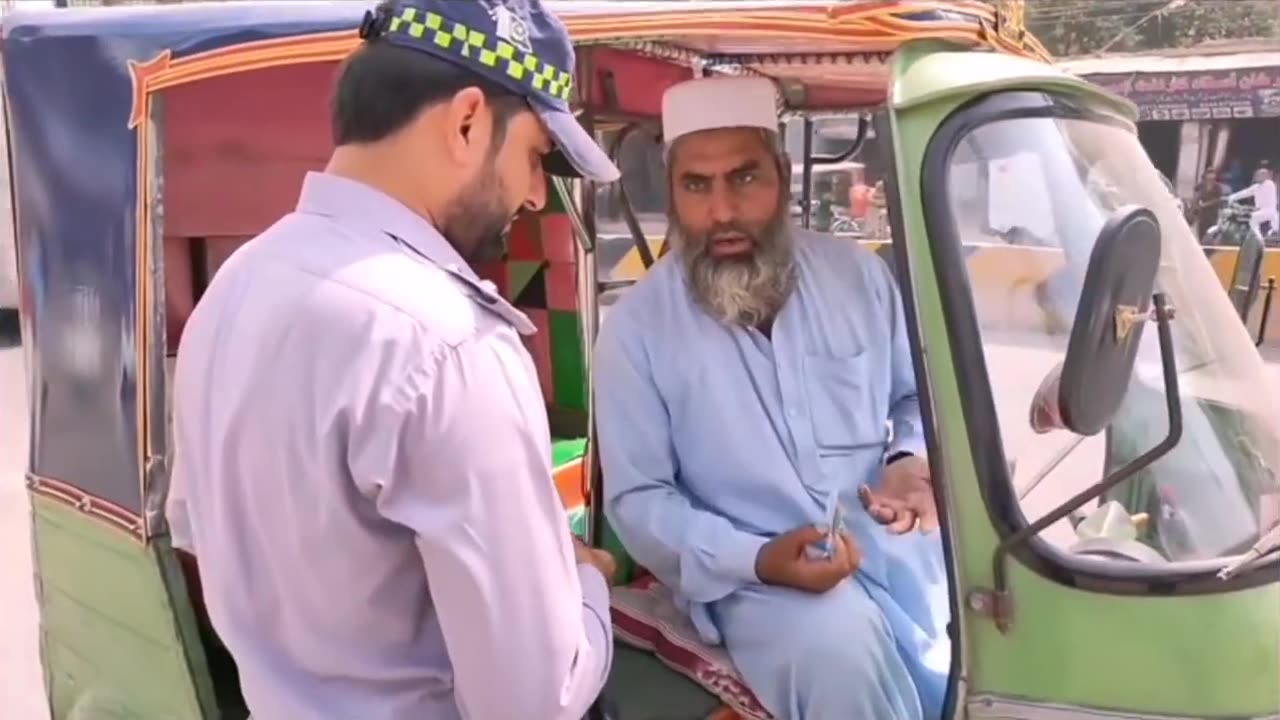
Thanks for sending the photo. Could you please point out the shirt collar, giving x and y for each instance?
(358, 204)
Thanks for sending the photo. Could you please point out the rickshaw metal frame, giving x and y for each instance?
(957, 359)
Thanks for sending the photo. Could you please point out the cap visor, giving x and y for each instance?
(577, 154)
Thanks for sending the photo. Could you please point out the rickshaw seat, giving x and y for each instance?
(648, 626)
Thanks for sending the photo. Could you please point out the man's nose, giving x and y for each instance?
(723, 208)
(536, 199)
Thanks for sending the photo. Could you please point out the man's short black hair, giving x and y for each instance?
(382, 87)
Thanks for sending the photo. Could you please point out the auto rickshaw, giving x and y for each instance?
(139, 168)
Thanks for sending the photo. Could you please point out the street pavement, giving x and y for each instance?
(1017, 370)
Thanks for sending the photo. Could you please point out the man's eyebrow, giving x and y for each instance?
(746, 166)
(690, 175)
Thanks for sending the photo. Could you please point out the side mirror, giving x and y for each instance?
(1092, 381)
(1114, 306)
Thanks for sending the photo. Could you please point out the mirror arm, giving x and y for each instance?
(997, 602)
(806, 174)
(565, 191)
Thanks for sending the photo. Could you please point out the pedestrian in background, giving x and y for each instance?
(1208, 200)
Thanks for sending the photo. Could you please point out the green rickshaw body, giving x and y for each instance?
(121, 222)
(1155, 642)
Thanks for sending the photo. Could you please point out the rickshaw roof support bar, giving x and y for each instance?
(806, 174)
(628, 214)
(565, 190)
(997, 603)
(607, 285)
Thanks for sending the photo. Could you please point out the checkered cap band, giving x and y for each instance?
(491, 53)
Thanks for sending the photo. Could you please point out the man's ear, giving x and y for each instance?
(462, 112)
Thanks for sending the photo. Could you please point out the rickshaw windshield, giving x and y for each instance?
(1031, 193)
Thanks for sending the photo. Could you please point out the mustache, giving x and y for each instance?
(721, 231)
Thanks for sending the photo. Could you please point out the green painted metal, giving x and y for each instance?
(566, 450)
(1209, 655)
(568, 369)
(929, 71)
(116, 641)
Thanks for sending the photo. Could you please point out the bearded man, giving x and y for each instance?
(754, 397)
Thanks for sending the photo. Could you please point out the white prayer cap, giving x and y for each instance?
(718, 102)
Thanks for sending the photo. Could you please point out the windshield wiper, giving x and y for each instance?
(1267, 545)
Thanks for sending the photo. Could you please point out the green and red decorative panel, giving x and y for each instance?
(540, 277)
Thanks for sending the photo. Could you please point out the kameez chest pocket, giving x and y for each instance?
(846, 402)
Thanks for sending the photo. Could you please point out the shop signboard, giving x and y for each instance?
(1199, 95)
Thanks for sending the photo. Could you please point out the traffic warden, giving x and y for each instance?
(362, 451)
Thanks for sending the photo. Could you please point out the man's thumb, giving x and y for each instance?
(807, 535)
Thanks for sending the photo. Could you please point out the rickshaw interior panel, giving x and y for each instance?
(608, 69)
(231, 168)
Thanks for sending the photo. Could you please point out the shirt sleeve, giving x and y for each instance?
(175, 504)
(1247, 192)
(699, 553)
(460, 454)
(176, 515)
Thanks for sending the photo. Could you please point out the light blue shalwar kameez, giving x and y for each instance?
(714, 439)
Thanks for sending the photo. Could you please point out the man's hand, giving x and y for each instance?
(599, 559)
(903, 499)
(785, 560)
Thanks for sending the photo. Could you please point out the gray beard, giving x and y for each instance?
(745, 291)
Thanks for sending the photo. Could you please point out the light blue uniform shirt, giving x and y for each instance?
(363, 469)
(714, 439)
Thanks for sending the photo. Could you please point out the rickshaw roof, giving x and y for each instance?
(719, 27)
